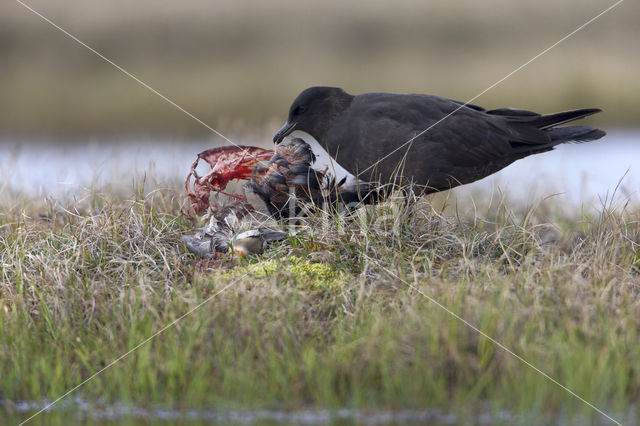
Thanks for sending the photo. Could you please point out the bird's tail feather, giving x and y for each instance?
(574, 134)
(546, 121)
(543, 121)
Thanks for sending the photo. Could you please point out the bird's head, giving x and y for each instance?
(248, 243)
(313, 112)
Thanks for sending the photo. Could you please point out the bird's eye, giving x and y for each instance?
(299, 110)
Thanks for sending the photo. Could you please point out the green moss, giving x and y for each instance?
(292, 270)
(314, 275)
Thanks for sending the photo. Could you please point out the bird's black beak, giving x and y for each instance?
(284, 131)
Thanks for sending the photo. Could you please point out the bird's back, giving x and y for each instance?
(439, 142)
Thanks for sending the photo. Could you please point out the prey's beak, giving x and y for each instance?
(284, 131)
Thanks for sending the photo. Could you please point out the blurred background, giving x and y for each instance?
(238, 65)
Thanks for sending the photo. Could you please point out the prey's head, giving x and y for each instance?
(314, 111)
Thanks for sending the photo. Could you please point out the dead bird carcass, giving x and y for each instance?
(281, 185)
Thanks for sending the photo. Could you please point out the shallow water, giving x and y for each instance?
(76, 410)
(83, 411)
(581, 174)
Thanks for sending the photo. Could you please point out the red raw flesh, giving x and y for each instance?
(227, 163)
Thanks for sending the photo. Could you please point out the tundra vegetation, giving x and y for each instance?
(341, 314)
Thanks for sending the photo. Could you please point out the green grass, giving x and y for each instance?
(321, 320)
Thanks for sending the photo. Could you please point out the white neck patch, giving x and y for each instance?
(323, 160)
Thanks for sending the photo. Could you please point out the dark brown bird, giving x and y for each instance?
(381, 136)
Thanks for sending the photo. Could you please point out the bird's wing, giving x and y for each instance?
(463, 139)
(467, 136)
(432, 140)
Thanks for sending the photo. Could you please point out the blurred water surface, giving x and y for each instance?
(578, 173)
